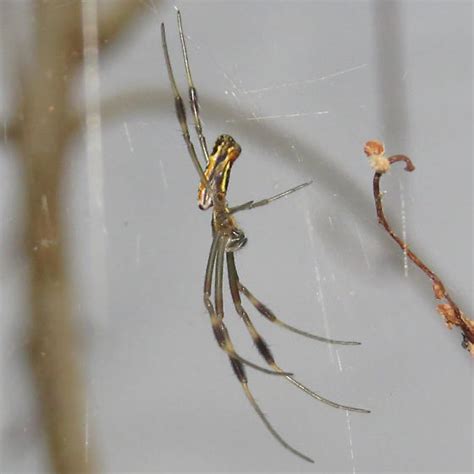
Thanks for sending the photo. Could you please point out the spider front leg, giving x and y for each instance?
(220, 331)
(192, 92)
(262, 345)
(179, 107)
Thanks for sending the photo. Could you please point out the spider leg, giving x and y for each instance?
(262, 345)
(268, 313)
(193, 97)
(253, 204)
(220, 331)
(236, 364)
(241, 375)
(180, 110)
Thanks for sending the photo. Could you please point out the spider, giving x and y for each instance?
(228, 238)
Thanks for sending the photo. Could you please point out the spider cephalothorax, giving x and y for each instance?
(226, 150)
(225, 224)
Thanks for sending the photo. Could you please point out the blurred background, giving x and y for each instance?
(108, 362)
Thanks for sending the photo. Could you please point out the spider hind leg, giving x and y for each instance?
(216, 258)
(268, 314)
(218, 327)
(262, 345)
(241, 375)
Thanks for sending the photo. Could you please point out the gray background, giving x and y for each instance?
(301, 86)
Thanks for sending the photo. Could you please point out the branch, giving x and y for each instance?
(116, 20)
(112, 24)
(53, 343)
(449, 310)
(42, 136)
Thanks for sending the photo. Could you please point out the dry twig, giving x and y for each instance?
(449, 310)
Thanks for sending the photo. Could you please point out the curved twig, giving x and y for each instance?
(450, 311)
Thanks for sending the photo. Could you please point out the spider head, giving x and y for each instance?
(226, 150)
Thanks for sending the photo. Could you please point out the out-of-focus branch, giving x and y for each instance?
(53, 344)
(42, 135)
(113, 19)
(115, 107)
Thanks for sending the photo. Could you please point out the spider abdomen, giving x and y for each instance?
(236, 241)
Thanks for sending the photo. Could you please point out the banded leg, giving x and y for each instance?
(193, 97)
(180, 110)
(262, 345)
(236, 364)
(220, 331)
(253, 204)
(241, 375)
(268, 314)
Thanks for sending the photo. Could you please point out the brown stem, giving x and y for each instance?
(450, 310)
(42, 140)
(53, 345)
(112, 22)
